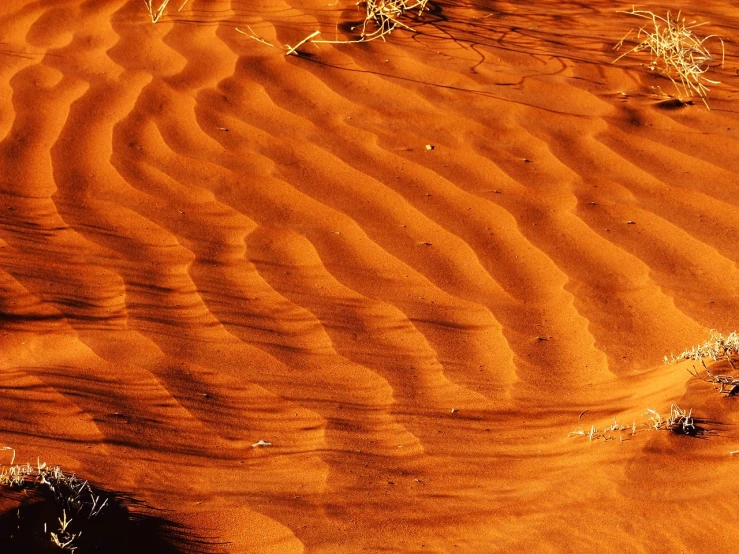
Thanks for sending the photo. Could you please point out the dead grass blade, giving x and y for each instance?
(252, 35)
(156, 13)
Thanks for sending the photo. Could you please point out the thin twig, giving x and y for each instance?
(252, 35)
(293, 49)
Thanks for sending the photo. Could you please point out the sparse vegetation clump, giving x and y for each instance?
(678, 421)
(717, 348)
(73, 497)
(607, 433)
(676, 52)
(381, 18)
(47, 510)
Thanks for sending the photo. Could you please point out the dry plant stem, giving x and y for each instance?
(676, 52)
(252, 35)
(293, 49)
(12, 461)
(724, 384)
(156, 14)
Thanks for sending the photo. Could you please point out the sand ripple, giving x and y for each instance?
(204, 244)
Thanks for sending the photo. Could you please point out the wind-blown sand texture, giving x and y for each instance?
(205, 243)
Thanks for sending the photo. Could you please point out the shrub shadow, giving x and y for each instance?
(125, 525)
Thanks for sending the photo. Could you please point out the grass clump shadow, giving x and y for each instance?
(676, 52)
(678, 421)
(54, 511)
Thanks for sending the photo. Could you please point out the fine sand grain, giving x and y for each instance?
(411, 268)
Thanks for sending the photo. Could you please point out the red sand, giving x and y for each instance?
(205, 243)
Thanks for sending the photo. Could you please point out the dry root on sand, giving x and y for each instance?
(724, 384)
(676, 52)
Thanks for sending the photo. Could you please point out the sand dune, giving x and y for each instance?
(205, 243)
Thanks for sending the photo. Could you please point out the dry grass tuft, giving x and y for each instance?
(381, 18)
(384, 16)
(678, 421)
(676, 52)
(717, 349)
(45, 509)
(681, 421)
(607, 433)
(73, 496)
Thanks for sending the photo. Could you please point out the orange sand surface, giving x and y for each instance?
(205, 243)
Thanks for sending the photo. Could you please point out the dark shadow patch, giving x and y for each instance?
(124, 525)
(673, 104)
(696, 428)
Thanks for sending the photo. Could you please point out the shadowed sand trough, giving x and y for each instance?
(205, 243)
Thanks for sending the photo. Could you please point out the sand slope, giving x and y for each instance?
(204, 243)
